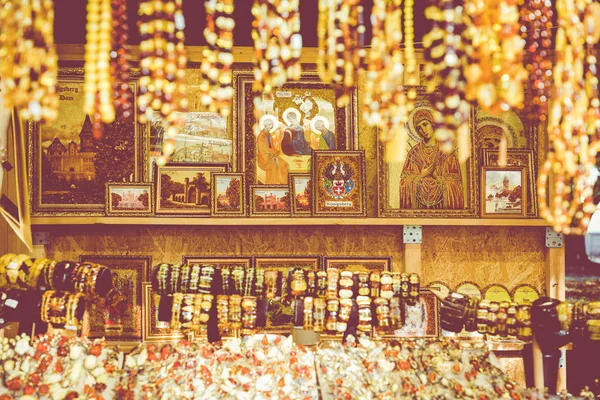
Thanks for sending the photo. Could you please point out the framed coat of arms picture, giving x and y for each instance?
(339, 183)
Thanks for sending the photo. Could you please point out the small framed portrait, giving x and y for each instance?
(155, 331)
(270, 201)
(131, 199)
(339, 183)
(518, 158)
(422, 319)
(301, 191)
(503, 192)
(280, 312)
(228, 195)
(185, 189)
(358, 264)
(119, 317)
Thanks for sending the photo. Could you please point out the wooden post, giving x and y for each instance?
(555, 288)
(412, 258)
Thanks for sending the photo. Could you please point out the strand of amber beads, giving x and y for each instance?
(277, 43)
(162, 64)
(98, 102)
(28, 60)
(216, 88)
(536, 29)
(384, 101)
(119, 62)
(573, 142)
(495, 72)
(445, 58)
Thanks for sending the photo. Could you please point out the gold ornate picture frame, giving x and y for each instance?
(218, 262)
(270, 201)
(129, 199)
(301, 116)
(518, 158)
(357, 264)
(151, 332)
(69, 166)
(503, 192)
(339, 183)
(124, 316)
(301, 194)
(422, 319)
(228, 194)
(449, 189)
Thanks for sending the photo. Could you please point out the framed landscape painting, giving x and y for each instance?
(279, 133)
(119, 316)
(301, 194)
(185, 189)
(503, 192)
(270, 200)
(429, 182)
(229, 195)
(69, 165)
(129, 199)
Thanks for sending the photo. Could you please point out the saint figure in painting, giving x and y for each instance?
(268, 149)
(415, 323)
(295, 137)
(430, 179)
(322, 138)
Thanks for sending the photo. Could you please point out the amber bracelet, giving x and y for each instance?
(45, 308)
(344, 315)
(308, 313)
(319, 314)
(175, 310)
(382, 310)
(333, 306)
(364, 313)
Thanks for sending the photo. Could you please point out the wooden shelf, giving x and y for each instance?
(314, 221)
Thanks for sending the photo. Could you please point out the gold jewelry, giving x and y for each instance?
(308, 313)
(223, 314)
(176, 310)
(320, 306)
(45, 308)
(249, 315)
(72, 305)
(235, 315)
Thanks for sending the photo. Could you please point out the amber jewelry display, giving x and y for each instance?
(346, 283)
(364, 314)
(120, 67)
(277, 43)
(28, 70)
(382, 309)
(536, 29)
(176, 310)
(162, 63)
(73, 305)
(216, 85)
(319, 314)
(235, 315)
(333, 307)
(572, 134)
(385, 103)
(375, 280)
(342, 55)
(223, 314)
(98, 100)
(308, 313)
(249, 315)
(445, 56)
(495, 73)
(333, 276)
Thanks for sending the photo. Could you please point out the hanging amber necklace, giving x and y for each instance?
(277, 43)
(28, 60)
(216, 87)
(119, 62)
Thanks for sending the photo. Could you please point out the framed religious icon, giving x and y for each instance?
(422, 319)
(129, 199)
(339, 183)
(358, 264)
(301, 192)
(503, 192)
(280, 312)
(228, 195)
(119, 316)
(70, 166)
(429, 182)
(205, 138)
(518, 158)
(153, 329)
(270, 201)
(280, 132)
(185, 189)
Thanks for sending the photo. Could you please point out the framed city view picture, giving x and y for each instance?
(279, 137)
(339, 183)
(280, 313)
(429, 182)
(204, 139)
(503, 192)
(153, 330)
(518, 158)
(422, 319)
(357, 264)
(185, 189)
(119, 316)
(69, 165)
(129, 199)
(270, 201)
(301, 192)
(229, 195)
